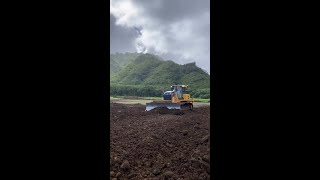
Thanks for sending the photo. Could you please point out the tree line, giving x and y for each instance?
(152, 91)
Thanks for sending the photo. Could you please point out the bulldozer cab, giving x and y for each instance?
(179, 90)
(185, 90)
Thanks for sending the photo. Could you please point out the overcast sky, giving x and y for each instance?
(177, 30)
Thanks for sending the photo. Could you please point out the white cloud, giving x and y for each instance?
(184, 37)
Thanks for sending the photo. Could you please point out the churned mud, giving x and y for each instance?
(160, 144)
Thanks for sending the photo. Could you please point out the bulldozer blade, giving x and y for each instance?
(150, 106)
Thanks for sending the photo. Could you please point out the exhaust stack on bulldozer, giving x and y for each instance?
(177, 98)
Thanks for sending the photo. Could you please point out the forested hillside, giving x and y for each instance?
(137, 74)
(119, 60)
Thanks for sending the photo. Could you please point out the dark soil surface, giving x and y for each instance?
(159, 144)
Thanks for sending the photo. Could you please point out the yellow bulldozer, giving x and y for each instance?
(177, 98)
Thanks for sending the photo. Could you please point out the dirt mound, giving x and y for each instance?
(159, 144)
(164, 110)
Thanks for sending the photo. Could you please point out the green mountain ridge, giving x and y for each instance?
(119, 60)
(148, 70)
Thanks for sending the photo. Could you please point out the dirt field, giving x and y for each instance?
(144, 101)
(160, 144)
